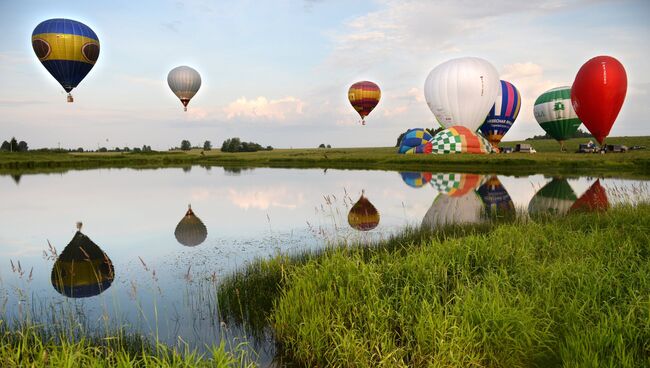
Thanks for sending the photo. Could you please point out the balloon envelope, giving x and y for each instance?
(67, 49)
(554, 113)
(184, 82)
(598, 93)
(503, 113)
(462, 91)
(83, 269)
(413, 138)
(458, 139)
(364, 97)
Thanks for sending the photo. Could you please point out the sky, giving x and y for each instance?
(277, 72)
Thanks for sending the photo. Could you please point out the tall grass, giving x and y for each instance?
(572, 292)
(37, 346)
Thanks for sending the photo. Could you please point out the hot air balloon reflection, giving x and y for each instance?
(498, 204)
(416, 179)
(554, 113)
(184, 82)
(363, 216)
(456, 185)
(190, 231)
(593, 200)
(454, 210)
(83, 269)
(364, 97)
(555, 199)
(67, 49)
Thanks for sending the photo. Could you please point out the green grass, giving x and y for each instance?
(547, 161)
(572, 291)
(569, 292)
(38, 346)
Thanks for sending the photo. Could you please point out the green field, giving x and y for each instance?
(548, 160)
(572, 291)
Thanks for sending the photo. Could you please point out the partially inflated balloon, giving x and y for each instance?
(364, 96)
(503, 113)
(67, 49)
(598, 93)
(554, 113)
(458, 139)
(184, 82)
(462, 91)
(413, 138)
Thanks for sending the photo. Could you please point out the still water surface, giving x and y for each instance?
(160, 287)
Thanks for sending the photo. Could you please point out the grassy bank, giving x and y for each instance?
(569, 292)
(38, 346)
(548, 160)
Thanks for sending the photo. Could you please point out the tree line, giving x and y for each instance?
(14, 146)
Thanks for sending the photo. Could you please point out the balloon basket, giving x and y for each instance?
(70, 98)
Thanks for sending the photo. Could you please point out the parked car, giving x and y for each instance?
(587, 148)
(506, 149)
(616, 148)
(525, 148)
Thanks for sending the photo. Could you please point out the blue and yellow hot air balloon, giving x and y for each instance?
(67, 49)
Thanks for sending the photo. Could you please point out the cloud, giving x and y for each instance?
(262, 108)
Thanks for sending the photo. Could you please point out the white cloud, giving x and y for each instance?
(263, 108)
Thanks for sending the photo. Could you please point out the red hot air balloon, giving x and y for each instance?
(597, 94)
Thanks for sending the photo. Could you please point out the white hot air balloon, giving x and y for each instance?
(184, 82)
(462, 91)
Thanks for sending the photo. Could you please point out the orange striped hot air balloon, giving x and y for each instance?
(364, 96)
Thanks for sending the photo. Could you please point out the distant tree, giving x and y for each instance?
(269, 148)
(146, 148)
(137, 149)
(80, 149)
(14, 145)
(5, 146)
(322, 145)
(22, 146)
(103, 149)
(328, 146)
(207, 145)
(117, 149)
(186, 145)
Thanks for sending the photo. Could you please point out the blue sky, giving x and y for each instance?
(277, 72)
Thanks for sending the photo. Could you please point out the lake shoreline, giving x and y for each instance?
(547, 161)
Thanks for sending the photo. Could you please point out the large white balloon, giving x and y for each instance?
(462, 91)
(184, 82)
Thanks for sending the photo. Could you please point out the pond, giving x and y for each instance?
(156, 270)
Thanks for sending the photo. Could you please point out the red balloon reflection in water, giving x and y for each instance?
(594, 199)
(598, 93)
